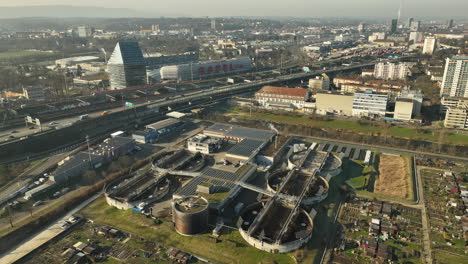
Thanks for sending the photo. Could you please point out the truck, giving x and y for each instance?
(84, 117)
(117, 134)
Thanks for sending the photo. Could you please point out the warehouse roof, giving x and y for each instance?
(285, 91)
(163, 123)
(231, 131)
(245, 148)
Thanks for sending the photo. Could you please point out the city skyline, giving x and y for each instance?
(299, 8)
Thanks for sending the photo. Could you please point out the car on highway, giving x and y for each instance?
(31, 127)
(14, 131)
(73, 219)
(53, 123)
(65, 225)
(37, 203)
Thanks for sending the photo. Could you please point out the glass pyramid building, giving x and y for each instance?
(126, 66)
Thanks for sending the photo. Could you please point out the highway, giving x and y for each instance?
(172, 99)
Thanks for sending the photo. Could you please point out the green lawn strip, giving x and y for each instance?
(351, 125)
(444, 257)
(223, 252)
(378, 196)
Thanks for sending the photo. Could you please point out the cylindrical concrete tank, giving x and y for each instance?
(190, 215)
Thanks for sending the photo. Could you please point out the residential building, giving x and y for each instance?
(34, 93)
(127, 66)
(319, 83)
(416, 37)
(84, 31)
(370, 103)
(429, 45)
(455, 81)
(457, 117)
(362, 27)
(392, 70)
(213, 24)
(447, 102)
(282, 97)
(334, 103)
(352, 88)
(155, 28)
(339, 81)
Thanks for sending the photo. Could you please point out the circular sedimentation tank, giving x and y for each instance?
(190, 215)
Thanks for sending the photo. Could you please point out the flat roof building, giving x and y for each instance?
(457, 117)
(334, 103)
(370, 103)
(403, 109)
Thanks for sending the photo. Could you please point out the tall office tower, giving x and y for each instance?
(393, 27)
(126, 66)
(361, 28)
(429, 45)
(450, 23)
(410, 21)
(415, 25)
(416, 37)
(213, 24)
(155, 28)
(455, 81)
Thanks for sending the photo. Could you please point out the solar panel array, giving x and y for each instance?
(213, 176)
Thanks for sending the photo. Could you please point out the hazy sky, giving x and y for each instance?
(440, 8)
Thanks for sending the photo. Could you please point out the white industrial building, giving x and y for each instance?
(370, 103)
(205, 70)
(282, 97)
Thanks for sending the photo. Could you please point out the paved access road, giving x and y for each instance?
(41, 237)
(383, 148)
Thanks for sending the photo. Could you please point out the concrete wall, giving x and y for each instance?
(336, 103)
(277, 248)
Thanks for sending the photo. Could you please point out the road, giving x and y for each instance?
(24, 131)
(26, 177)
(383, 148)
(41, 237)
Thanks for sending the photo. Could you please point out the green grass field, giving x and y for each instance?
(24, 53)
(222, 252)
(350, 125)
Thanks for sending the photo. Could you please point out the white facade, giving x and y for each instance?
(369, 103)
(429, 45)
(204, 70)
(416, 36)
(392, 71)
(455, 80)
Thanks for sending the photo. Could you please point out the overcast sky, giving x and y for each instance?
(196, 8)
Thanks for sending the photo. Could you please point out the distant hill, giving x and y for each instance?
(62, 11)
